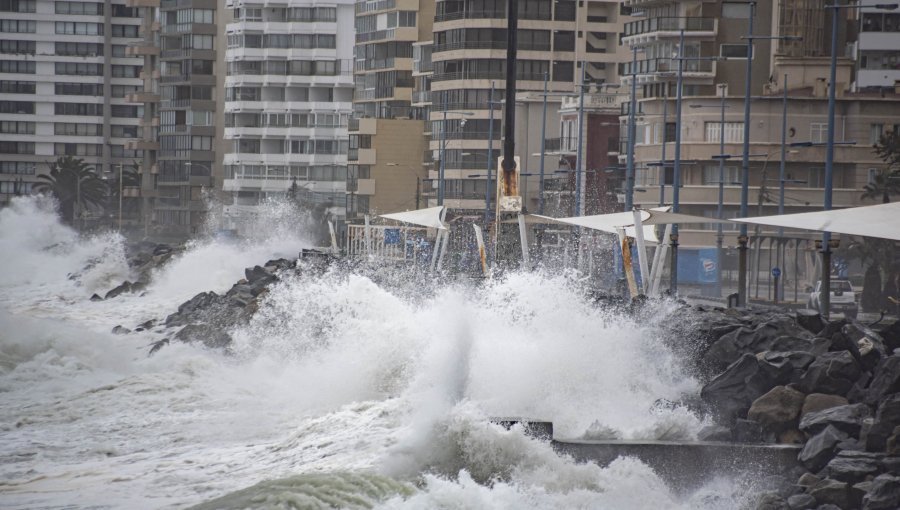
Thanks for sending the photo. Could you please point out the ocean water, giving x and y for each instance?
(363, 389)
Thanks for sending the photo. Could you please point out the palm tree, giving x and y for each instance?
(74, 184)
(884, 184)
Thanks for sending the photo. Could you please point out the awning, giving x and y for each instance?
(430, 217)
(870, 221)
(609, 222)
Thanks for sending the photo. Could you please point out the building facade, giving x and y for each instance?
(65, 77)
(288, 98)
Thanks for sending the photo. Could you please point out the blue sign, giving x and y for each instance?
(392, 236)
(776, 272)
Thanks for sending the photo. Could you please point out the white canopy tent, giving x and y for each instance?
(881, 221)
(430, 217)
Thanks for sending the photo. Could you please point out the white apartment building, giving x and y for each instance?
(288, 97)
(64, 78)
(878, 49)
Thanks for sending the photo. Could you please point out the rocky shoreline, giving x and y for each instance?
(831, 386)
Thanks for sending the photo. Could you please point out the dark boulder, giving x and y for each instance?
(714, 433)
(886, 381)
(209, 336)
(731, 392)
(121, 289)
(801, 502)
(833, 492)
(853, 467)
(810, 320)
(832, 372)
(886, 419)
(847, 419)
(820, 448)
(96, 297)
(747, 431)
(258, 275)
(120, 330)
(884, 494)
(784, 367)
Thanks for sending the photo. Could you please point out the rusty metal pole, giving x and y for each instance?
(509, 116)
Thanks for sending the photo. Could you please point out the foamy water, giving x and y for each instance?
(340, 391)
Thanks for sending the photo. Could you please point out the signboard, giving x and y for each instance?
(776, 272)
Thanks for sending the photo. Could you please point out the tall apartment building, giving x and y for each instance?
(878, 49)
(288, 96)
(715, 29)
(555, 38)
(386, 172)
(65, 75)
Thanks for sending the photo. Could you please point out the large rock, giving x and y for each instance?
(121, 289)
(778, 409)
(870, 345)
(833, 492)
(847, 419)
(801, 502)
(820, 401)
(810, 320)
(820, 448)
(832, 372)
(886, 419)
(884, 494)
(258, 274)
(886, 381)
(207, 335)
(853, 467)
(714, 433)
(731, 392)
(784, 367)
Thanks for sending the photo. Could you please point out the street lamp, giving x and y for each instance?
(745, 163)
(629, 157)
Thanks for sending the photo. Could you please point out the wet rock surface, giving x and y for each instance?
(833, 386)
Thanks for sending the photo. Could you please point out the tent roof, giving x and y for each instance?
(609, 222)
(871, 221)
(430, 217)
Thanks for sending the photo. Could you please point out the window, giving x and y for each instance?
(120, 11)
(17, 5)
(120, 91)
(77, 49)
(818, 132)
(17, 167)
(201, 143)
(17, 107)
(16, 147)
(124, 30)
(563, 41)
(731, 175)
(816, 178)
(736, 10)
(78, 8)
(126, 71)
(733, 50)
(117, 131)
(17, 87)
(79, 69)
(565, 11)
(17, 66)
(79, 89)
(78, 28)
(200, 42)
(87, 109)
(563, 71)
(18, 26)
(17, 127)
(77, 129)
(17, 47)
(872, 174)
(77, 149)
(126, 111)
(734, 132)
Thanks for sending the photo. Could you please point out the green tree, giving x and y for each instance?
(884, 184)
(73, 183)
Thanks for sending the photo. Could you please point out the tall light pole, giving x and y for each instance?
(578, 148)
(781, 177)
(743, 239)
(662, 154)
(629, 169)
(490, 162)
(120, 195)
(443, 152)
(676, 181)
(543, 145)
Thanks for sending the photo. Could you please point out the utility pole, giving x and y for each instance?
(745, 166)
(578, 148)
(676, 182)
(121, 187)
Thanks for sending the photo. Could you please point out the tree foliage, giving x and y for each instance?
(73, 183)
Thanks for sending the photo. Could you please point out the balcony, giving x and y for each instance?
(453, 16)
(421, 97)
(479, 75)
(142, 3)
(141, 145)
(655, 28)
(669, 66)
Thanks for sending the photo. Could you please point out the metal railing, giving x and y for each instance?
(668, 65)
(482, 75)
(451, 16)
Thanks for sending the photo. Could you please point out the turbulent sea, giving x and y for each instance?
(348, 390)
